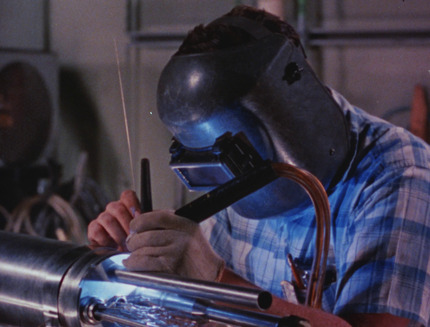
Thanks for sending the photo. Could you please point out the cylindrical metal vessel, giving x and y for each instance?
(32, 270)
(45, 282)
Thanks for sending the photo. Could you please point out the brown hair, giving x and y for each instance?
(219, 36)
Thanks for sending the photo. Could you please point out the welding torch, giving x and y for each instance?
(228, 193)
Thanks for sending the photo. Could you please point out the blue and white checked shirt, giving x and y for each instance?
(380, 235)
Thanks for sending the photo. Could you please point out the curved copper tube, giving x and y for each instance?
(316, 192)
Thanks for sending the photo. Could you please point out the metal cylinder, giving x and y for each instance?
(45, 282)
(32, 272)
(249, 297)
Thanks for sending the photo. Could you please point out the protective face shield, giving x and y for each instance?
(266, 91)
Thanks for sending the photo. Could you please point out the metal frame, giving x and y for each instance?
(314, 37)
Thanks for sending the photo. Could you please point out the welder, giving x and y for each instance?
(246, 73)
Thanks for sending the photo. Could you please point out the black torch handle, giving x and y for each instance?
(145, 186)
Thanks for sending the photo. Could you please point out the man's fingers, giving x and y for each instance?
(117, 210)
(98, 236)
(153, 238)
(161, 219)
(148, 259)
(130, 201)
(112, 226)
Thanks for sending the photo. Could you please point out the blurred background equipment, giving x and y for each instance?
(33, 197)
(364, 50)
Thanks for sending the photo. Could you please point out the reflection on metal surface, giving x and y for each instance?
(75, 286)
(141, 311)
(254, 298)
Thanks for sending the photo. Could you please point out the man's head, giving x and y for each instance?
(218, 36)
(246, 72)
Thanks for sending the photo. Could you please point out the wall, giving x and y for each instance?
(378, 76)
(82, 36)
(82, 33)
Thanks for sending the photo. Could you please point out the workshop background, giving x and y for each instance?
(376, 53)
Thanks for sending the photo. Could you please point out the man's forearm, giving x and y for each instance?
(316, 317)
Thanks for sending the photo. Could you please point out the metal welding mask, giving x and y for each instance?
(263, 91)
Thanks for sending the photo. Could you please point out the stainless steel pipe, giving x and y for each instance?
(32, 275)
(46, 282)
(249, 297)
(31, 271)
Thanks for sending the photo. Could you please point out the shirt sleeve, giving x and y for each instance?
(385, 259)
(216, 231)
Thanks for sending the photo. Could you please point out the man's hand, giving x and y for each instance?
(111, 227)
(162, 241)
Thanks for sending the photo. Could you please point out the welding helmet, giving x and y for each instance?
(264, 91)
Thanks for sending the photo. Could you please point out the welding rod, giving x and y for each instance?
(249, 297)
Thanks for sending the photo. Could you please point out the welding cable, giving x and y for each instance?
(74, 228)
(90, 201)
(87, 196)
(19, 214)
(22, 213)
(79, 177)
(7, 216)
(316, 192)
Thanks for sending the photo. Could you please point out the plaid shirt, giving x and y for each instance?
(380, 234)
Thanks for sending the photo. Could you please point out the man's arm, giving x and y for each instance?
(376, 319)
(318, 318)
(112, 227)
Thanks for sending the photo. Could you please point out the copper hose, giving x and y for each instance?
(316, 192)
